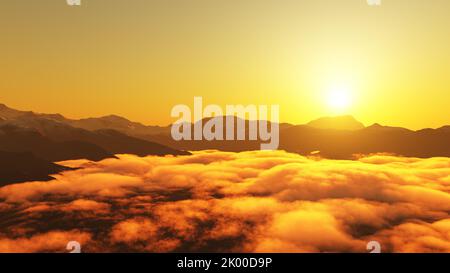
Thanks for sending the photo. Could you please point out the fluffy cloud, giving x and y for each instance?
(54, 241)
(259, 201)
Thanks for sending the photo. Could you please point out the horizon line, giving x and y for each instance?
(246, 119)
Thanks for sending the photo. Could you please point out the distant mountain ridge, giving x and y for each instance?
(113, 122)
(337, 123)
(16, 139)
(58, 128)
(335, 137)
(40, 139)
(343, 140)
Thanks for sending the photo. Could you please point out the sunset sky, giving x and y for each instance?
(139, 58)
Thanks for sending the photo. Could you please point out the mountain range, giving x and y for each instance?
(340, 137)
(41, 139)
(34, 137)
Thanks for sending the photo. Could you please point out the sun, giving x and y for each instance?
(339, 98)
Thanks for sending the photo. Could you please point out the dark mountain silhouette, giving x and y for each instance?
(35, 140)
(18, 139)
(337, 143)
(112, 122)
(7, 113)
(233, 146)
(343, 144)
(333, 137)
(21, 167)
(55, 127)
(119, 143)
(119, 124)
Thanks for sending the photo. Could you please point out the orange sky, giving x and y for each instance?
(139, 58)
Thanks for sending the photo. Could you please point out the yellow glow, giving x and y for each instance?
(260, 52)
(339, 98)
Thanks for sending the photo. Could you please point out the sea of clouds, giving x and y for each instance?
(211, 201)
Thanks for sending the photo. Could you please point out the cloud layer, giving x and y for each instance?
(215, 201)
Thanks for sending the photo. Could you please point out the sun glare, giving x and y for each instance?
(339, 98)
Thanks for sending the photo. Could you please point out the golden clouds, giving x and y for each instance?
(256, 201)
(419, 237)
(133, 230)
(54, 241)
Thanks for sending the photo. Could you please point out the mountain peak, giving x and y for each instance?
(337, 123)
(8, 113)
(375, 125)
(114, 118)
